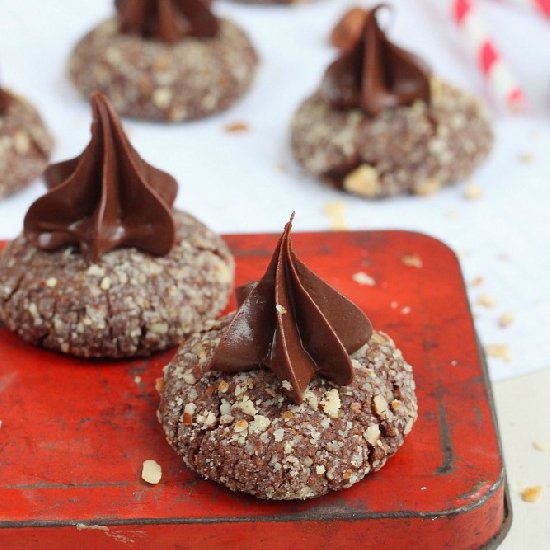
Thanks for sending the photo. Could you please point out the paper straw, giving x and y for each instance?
(495, 71)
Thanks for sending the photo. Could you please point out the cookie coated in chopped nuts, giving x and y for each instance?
(151, 80)
(241, 431)
(413, 149)
(25, 146)
(129, 304)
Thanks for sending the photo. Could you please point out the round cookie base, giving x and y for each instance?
(405, 150)
(25, 146)
(130, 304)
(150, 80)
(242, 432)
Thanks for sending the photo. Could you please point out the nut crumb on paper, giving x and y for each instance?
(476, 281)
(336, 213)
(499, 351)
(485, 300)
(361, 278)
(452, 215)
(531, 494)
(505, 320)
(281, 167)
(541, 446)
(151, 472)
(472, 192)
(412, 260)
(526, 158)
(237, 128)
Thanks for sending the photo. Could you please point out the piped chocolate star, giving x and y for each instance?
(169, 21)
(293, 323)
(4, 100)
(374, 74)
(106, 198)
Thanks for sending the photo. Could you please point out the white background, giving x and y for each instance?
(234, 182)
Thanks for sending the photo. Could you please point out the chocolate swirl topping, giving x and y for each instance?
(4, 101)
(167, 20)
(374, 74)
(106, 198)
(294, 324)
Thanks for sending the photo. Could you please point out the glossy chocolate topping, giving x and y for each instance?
(106, 198)
(374, 74)
(294, 324)
(4, 101)
(167, 20)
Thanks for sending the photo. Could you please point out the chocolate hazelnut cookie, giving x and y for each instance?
(105, 266)
(165, 61)
(25, 143)
(381, 125)
(292, 396)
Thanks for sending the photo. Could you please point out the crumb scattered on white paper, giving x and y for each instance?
(485, 300)
(505, 320)
(541, 446)
(336, 213)
(526, 158)
(476, 281)
(472, 192)
(237, 127)
(151, 472)
(499, 351)
(531, 494)
(452, 214)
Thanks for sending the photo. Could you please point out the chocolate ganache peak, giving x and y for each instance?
(106, 198)
(168, 21)
(374, 74)
(4, 100)
(293, 323)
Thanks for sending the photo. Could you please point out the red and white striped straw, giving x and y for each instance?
(496, 72)
(539, 6)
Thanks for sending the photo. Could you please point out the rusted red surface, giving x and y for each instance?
(75, 433)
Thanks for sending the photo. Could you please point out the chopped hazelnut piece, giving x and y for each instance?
(336, 213)
(331, 403)
(372, 434)
(499, 351)
(476, 281)
(472, 192)
(485, 300)
(237, 127)
(412, 260)
(361, 278)
(540, 446)
(427, 187)
(241, 425)
(531, 494)
(363, 181)
(526, 158)
(505, 320)
(380, 404)
(151, 472)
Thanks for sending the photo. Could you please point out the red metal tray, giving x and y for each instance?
(75, 433)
